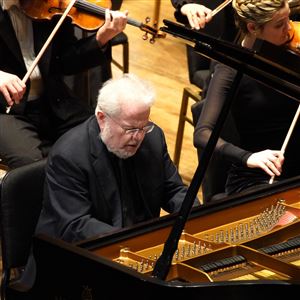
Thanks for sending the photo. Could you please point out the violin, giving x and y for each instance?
(294, 33)
(86, 14)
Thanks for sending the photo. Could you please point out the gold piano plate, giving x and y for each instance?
(233, 250)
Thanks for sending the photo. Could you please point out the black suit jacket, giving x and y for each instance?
(64, 56)
(82, 198)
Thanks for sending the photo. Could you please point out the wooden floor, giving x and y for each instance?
(164, 64)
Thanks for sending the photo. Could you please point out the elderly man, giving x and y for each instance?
(111, 171)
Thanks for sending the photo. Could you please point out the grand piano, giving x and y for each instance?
(245, 246)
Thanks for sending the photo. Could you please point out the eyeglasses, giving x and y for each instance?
(132, 131)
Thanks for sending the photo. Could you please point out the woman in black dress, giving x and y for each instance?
(262, 115)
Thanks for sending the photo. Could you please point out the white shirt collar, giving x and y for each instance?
(7, 4)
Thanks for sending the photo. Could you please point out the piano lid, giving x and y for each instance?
(272, 65)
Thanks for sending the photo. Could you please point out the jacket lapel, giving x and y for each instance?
(143, 177)
(41, 32)
(8, 36)
(103, 169)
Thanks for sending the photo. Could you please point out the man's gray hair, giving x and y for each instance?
(129, 88)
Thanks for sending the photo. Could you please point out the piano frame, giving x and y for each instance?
(121, 263)
(94, 266)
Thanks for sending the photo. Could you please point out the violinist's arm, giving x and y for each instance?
(115, 22)
(11, 87)
(196, 14)
(269, 161)
(76, 55)
(219, 86)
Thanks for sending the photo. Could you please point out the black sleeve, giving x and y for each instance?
(177, 4)
(219, 86)
(72, 54)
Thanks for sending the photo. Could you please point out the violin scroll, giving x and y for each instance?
(149, 31)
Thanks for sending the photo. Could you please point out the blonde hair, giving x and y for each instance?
(256, 11)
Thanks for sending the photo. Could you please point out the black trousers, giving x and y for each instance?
(24, 139)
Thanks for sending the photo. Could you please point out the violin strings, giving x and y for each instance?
(93, 8)
(220, 7)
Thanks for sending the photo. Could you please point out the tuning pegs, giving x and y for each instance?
(145, 36)
(149, 30)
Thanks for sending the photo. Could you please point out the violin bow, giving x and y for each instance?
(43, 49)
(287, 138)
(220, 7)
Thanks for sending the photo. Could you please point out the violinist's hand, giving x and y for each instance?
(270, 161)
(12, 88)
(115, 22)
(197, 14)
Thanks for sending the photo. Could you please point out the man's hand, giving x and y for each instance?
(12, 88)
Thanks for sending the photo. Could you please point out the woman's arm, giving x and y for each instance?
(268, 160)
(219, 87)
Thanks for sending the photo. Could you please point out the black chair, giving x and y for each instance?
(199, 73)
(192, 92)
(20, 205)
(120, 39)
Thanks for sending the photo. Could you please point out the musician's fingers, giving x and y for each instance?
(204, 15)
(208, 15)
(279, 155)
(107, 15)
(196, 19)
(7, 96)
(17, 90)
(119, 19)
(191, 19)
(200, 19)
(108, 18)
(277, 158)
(278, 164)
(267, 166)
(115, 22)
(274, 166)
(20, 85)
(270, 168)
